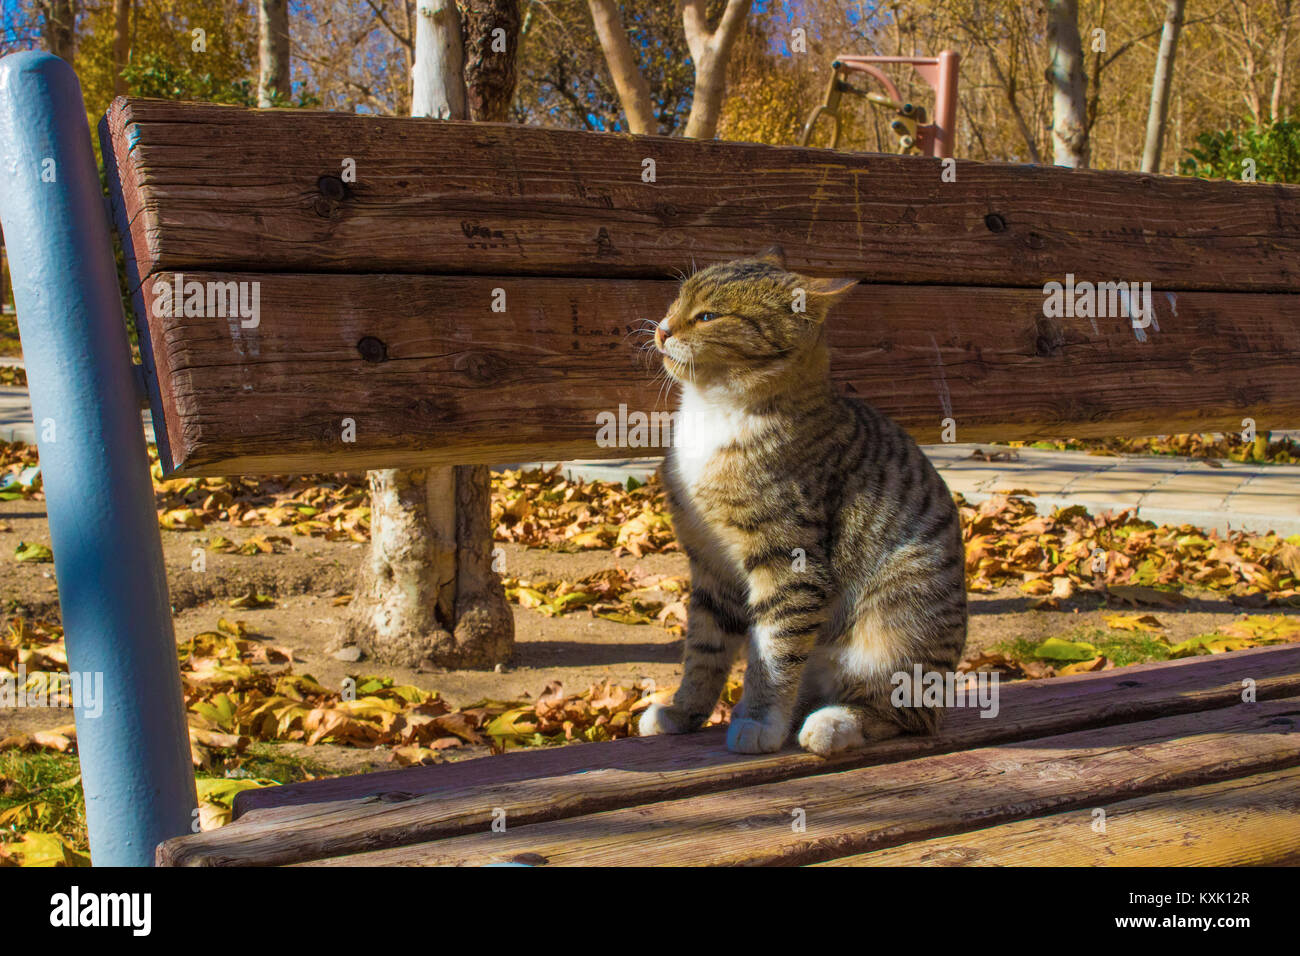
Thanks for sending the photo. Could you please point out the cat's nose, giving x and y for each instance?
(662, 333)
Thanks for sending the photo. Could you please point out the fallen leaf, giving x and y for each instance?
(42, 849)
(1056, 649)
(1265, 628)
(1134, 622)
(36, 553)
(252, 600)
(1136, 594)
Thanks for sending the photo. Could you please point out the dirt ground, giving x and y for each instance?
(576, 649)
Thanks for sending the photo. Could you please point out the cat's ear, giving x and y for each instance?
(772, 255)
(826, 293)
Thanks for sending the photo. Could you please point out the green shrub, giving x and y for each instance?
(1222, 154)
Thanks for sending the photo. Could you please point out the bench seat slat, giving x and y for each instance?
(350, 814)
(1251, 821)
(857, 810)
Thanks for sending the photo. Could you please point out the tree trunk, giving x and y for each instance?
(1161, 82)
(633, 90)
(1279, 70)
(711, 51)
(273, 51)
(59, 31)
(428, 593)
(1065, 73)
(491, 58)
(121, 43)
(438, 81)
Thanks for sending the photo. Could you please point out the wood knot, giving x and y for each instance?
(372, 349)
(331, 187)
(995, 222)
(666, 212)
(604, 245)
(333, 191)
(482, 366)
(1049, 336)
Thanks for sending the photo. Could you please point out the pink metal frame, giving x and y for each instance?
(940, 73)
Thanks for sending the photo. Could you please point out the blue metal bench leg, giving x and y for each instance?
(135, 759)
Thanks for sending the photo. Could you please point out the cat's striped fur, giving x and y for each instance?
(815, 527)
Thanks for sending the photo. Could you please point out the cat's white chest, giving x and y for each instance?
(702, 429)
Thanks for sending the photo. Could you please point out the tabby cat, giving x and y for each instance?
(814, 525)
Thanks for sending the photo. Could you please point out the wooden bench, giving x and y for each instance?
(950, 325)
(377, 344)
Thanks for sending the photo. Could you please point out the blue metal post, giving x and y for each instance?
(135, 759)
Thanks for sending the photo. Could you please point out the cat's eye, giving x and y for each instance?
(705, 316)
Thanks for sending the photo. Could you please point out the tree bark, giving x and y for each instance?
(633, 90)
(121, 43)
(273, 51)
(711, 52)
(1065, 73)
(491, 58)
(438, 80)
(1279, 70)
(59, 31)
(428, 593)
(1161, 82)
(1249, 68)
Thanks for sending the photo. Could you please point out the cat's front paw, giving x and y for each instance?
(746, 736)
(665, 719)
(831, 730)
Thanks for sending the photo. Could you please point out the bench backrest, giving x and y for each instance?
(468, 295)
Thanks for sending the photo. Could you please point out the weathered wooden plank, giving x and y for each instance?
(875, 807)
(122, 197)
(1250, 821)
(226, 189)
(350, 814)
(459, 383)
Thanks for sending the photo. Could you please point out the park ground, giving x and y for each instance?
(261, 572)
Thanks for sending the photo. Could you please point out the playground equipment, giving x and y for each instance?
(327, 321)
(909, 122)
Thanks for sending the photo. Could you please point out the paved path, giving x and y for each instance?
(1175, 491)
(16, 411)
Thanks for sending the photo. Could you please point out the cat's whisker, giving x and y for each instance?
(665, 386)
(664, 389)
(648, 328)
